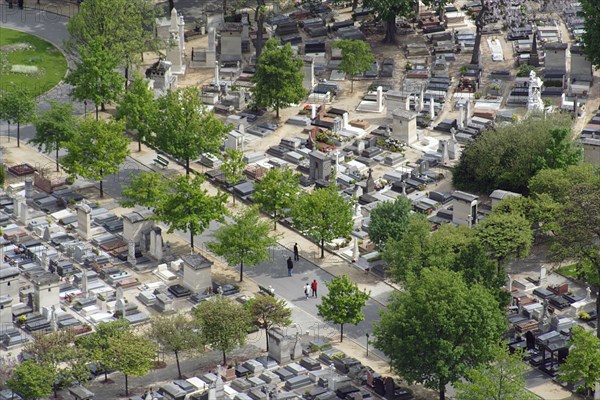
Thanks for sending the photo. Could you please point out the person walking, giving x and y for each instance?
(313, 288)
(290, 266)
(296, 253)
(306, 290)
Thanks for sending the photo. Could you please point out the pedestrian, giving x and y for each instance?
(271, 290)
(313, 288)
(306, 290)
(296, 256)
(290, 266)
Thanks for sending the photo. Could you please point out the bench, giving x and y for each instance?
(266, 291)
(162, 161)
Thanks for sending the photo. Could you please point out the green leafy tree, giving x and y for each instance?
(138, 108)
(389, 220)
(233, 167)
(32, 380)
(223, 324)
(189, 207)
(357, 58)
(145, 189)
(177, 334)
(387, 11)
(343, 304)
(558, 183)
(132, 355)
(539, 209)
(505, 236)
(509, 156)
(278, 78)
(245, 240)
(184, 128)
(501, 379)
(439, 328)
(268, 312)
(277, 191)
(18, 107)
(591, 35)
(446, 243)
(583, 362)
(407, 257)
(96, 149)
(561, 151)
(323, 214)
(95, 76)
(54, 127)
(96, 344)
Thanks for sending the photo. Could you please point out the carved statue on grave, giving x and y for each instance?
(370, 182)
(534, 101)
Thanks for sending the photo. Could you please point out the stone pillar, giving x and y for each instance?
(407, 104)
(84, 220)
(23, 212)
(211, 39)
(461, 116)
(346, 118)
(379, 98)
(219, 387)
(355, 251)
(468, 116)
(84, 283)
(17, 205)
(444, 151)
(543, 277)
(28, 188)
(421, 100)
(156, 243)
(509, 282)
(131, 252)
(217, 72)
(313, 111)
(432, 108)
(120, 304)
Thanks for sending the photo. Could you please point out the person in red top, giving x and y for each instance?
(313, 287)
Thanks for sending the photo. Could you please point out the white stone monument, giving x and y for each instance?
(404, 125)
(175, 47)
(461, 116)
(84, 213)
(131, 252)
(534, 100)
(543, 277)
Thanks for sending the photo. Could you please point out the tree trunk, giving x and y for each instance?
(105, 375)
(126, 76)
(18, 134)
(322, 248)
(187, 167)
(97, 112)
(126, 385)
(442, 391)
(233, 196)
(103, 107)
(139, 143)
(192, 239)
(475, 58)
(178, 366)
(354, 4)
(390, 31)
(241, 272)
(224, 358)
(267, 337)
(171, 6)
(275, 221)
(341, 333)
(57, 168)
(351, 84)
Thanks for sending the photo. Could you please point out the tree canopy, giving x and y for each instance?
(505, 236)
(96, 149)
(278, 78)
(509, 156)
(138, 108)
(389, 220)
(583, 361)
(387, 11)
(323, 214)
(277, 191)
(184, 128)
(223, 324)
(17, 107)
(54, 127)
(357, 57)
(233, 167)
(344, 303)
(144, 189)
(439, 328)
(132, 355)
(245, 240)
(32, 380)
(268, 311)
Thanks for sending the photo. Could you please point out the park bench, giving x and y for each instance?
(266, 291)
(162, 161)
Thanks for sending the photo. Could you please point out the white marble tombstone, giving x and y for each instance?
(84, 220)
(461, 116)
(379, 98)
(431, 108)
(23, 212)
(543, 277)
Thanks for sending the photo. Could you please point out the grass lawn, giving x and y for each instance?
(568, 270)
(51, 64)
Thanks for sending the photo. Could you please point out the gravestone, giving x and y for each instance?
(176, 46)
(534, 99)
(156, 243)
(23, 212)
(231, 42)
(468, 113)
(431, 108)
(308, 71)
(219, 387)
(370, 186)
(404, 125)
(465, 208)
(120, 304)
(319, 166)
(131, 252)
(17, 201)
(534, 57)
(84, 220)
(509, 281)
(84, 282)
(197, 272)
(28, 188)
(543, 277)
(279, 346)
(211, 51)
(461, 116)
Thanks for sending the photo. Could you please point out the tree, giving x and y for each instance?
(96, 149)
(54, 127)
(96, 344)
(233, 167)
(175, 333)
(561, 151)
(389, 220)
(277, 191)
(357, 58)
(439, 328)
(267, 312)
(387, 11)
(591, 34)
(583, 362)
(344, 303)
(145, 189)
(501, 379)
(223, 324)
(184, 128)
(18, 108)
(138, 108)
(507, 157)
(131, 354)
(245, 240)
(324, 215)
(95, 76)
(558, 183)
(408, 256)
(32, 380)
(278, 78)
(505, 236)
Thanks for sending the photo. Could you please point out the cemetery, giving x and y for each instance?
(69, 262)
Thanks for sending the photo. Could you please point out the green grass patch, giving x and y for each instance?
(568, 271)
(29, 62)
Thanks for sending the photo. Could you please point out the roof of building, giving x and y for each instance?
(463, 196)
(196, 261)
(500, 194)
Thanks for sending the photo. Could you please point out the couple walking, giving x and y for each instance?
(311, 289)
(290, 263)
